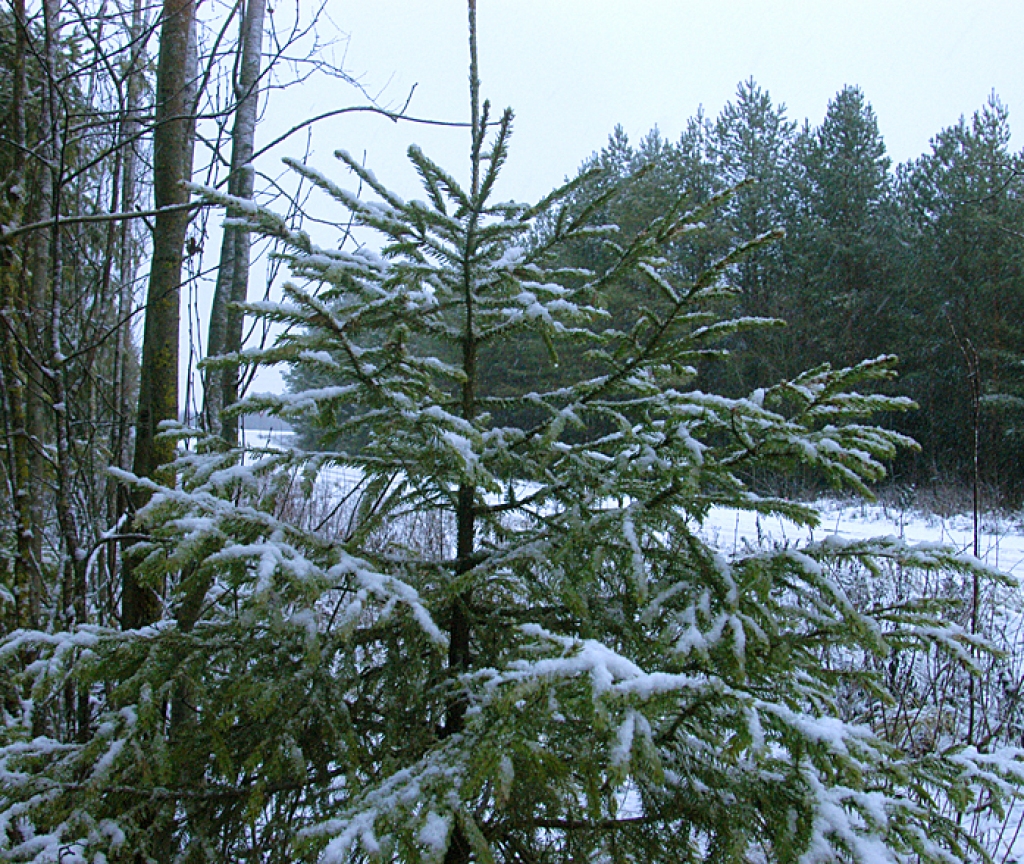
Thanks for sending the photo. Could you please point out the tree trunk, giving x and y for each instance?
(225, 337)
(461, 625)
(73, 559)
(127, 255)
(33, 321)
(172, 165)
(13, 308)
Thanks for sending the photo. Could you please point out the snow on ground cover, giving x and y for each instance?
(1001, 546)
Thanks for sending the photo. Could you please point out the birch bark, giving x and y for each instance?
(225, 335)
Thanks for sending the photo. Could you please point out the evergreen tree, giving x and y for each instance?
(963, 294)
(752, 145)
(838, 245)
(565, 670)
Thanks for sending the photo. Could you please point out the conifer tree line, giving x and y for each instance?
(479, 620)
(922, 260)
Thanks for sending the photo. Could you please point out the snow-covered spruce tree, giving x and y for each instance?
(573, 673)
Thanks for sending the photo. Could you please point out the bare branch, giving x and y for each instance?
(9, 235)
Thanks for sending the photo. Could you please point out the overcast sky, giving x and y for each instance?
(573, 69)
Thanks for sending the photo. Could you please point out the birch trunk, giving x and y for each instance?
(225, 336)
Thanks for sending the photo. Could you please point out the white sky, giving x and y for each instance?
(572, 69)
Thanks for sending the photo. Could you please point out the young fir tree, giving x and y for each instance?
(572, 673)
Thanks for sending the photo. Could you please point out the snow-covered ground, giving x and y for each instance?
(1001, 545)
(1001, 535)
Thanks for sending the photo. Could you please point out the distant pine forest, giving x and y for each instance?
(922, 260)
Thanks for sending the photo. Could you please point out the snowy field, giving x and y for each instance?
(1001, 546)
